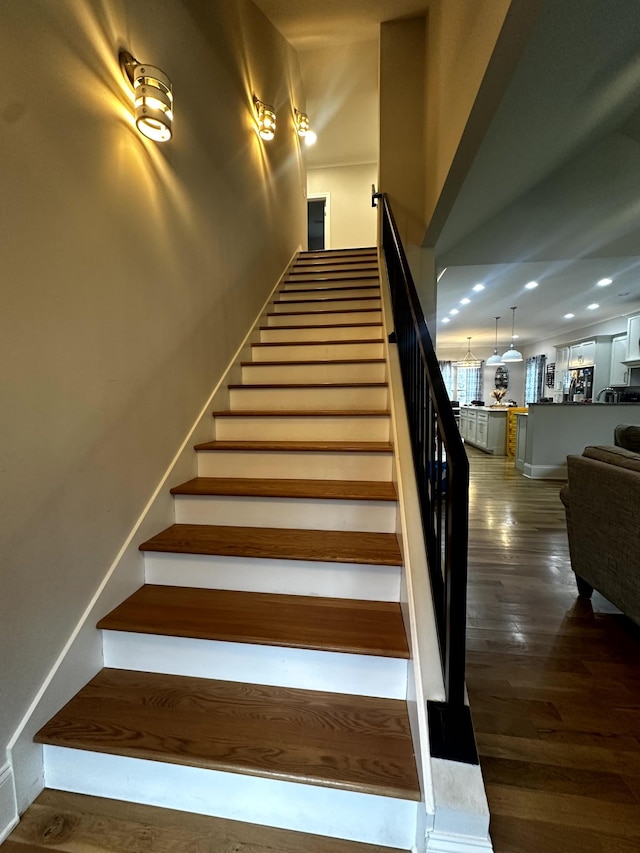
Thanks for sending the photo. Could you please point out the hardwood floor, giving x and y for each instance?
(553, 680)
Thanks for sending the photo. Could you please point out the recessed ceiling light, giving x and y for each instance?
(515, 337)
(531, 285)
(465, 301)
(593, 306)
(604, 282)
(454, 311)
(478, 287)
(446, 319)
(569, 316)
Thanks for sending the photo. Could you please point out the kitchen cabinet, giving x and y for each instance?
(582, 355)
(633, 342)
(620, 373)
(521, 439)
(484, 428)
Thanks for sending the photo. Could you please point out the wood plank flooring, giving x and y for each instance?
(553, 680)
(75, 823)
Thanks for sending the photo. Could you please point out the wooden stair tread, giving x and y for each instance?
(317, 299)
(318, 343)
(322, 288)
(356, 743)
(303, 446)
(281, 385)
(308, 361)
(364, 490)
(332, 546)
(297, 275)
(302, 413)
(321, 326)
(320, 313)
(291, 621)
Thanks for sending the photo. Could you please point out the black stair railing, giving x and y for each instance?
(442, 474)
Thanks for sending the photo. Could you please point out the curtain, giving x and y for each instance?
(534, 379)
(469, 384)
(446, 369)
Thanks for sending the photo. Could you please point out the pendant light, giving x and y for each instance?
(512, 355)
(495, 360)
(468, 361)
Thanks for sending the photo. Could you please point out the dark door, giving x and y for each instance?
(315, 223)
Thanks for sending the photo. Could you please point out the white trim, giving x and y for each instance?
(545, 472)
(439, 842)
(332, 812)
(327, 215)
(8, 806)
(116, 583)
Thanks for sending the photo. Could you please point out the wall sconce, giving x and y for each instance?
(153, 98)
(266, 119)
(302, 122)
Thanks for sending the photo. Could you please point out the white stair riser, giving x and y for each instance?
(358, 581)
(362, 371)
(329, 398)
(269, 802)
(315, 352)
(319, 318)
(274, 334)
(302, 669)
(336, 291)
(321, 465)
(293, 428)
(303, 514)
(325, 305)
(308, 284)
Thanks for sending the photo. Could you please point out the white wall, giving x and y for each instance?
(130, 274)
(353, 221)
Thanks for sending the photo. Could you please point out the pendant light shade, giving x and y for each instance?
(511, 356)
(495, 360)
(468, 360)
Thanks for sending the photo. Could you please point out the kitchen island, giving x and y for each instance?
(553, 431)
(485, 428)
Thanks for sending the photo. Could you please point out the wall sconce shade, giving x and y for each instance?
(266, 119)
(302, 123)
(153, 98)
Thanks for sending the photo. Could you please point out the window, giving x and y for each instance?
(534, 379)
(469, 384)
(446, 369)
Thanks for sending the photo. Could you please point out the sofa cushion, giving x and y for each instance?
(617, 456)
(627, 436)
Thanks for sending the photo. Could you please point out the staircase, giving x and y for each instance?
(260, 674)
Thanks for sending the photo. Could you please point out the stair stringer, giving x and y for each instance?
(81, 658)
(456, 811)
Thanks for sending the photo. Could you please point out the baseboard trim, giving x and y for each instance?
(8, 806)
(545, 472)
(438, 842)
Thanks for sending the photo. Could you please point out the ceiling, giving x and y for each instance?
(553, 195)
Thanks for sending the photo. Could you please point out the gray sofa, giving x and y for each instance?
(602, 503)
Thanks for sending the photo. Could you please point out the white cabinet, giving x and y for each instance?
(521, 439)
(482, 429)
(485, 429)
(582, 355)
(620, 373)
(633, 340)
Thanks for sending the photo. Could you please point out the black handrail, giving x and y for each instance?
(442, 475)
